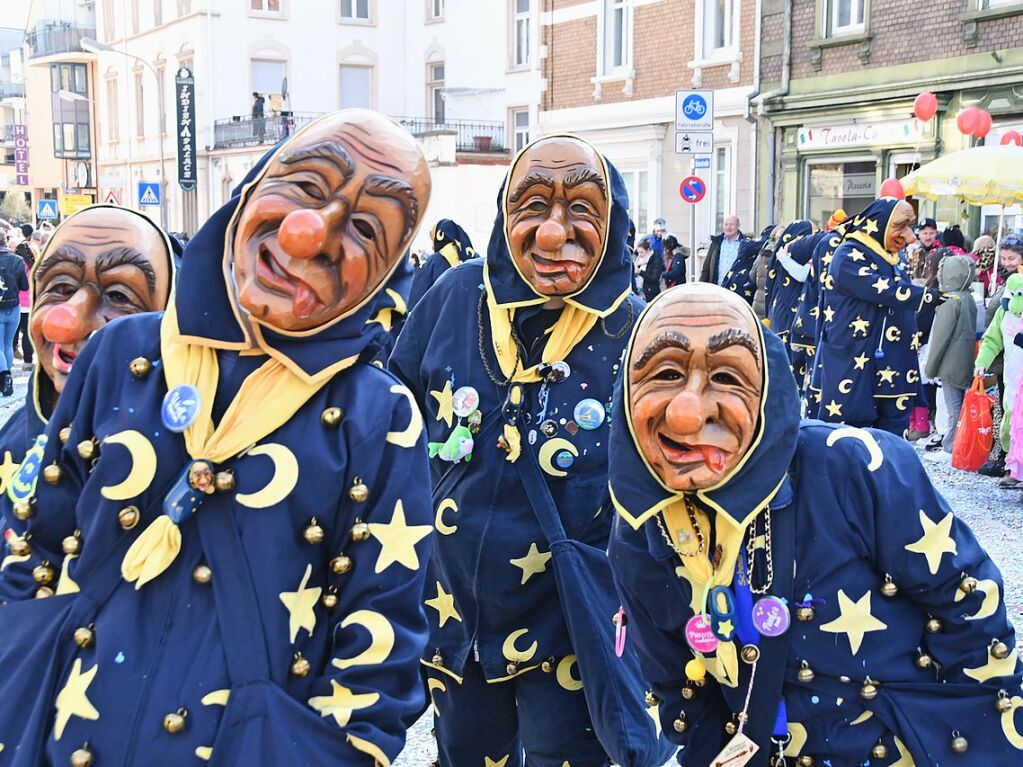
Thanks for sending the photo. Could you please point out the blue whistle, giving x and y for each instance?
(879, 354)
(722, 613)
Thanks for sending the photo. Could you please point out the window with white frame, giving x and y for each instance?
(435, 9)
(636, 185)
(356, 86)
(114, 123)
(616, 34)
(109, 30)
(435, 90)
(985, 5)
(265, 6)
(140, 109)
(520, 33)
(718, 26)
(845, 16)
(520, 128)
(355, 10)
(267, 76)
(722, 185)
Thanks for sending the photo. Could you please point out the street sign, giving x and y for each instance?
(72, 203)
(702, 163)
(111, 198)
(694, 142)
(185, 85)
(149, 193)
(693, 189)
(46, 210)
(694, 110)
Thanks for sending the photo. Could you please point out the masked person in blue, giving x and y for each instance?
(806, 325)
(451, 246)
(740, 278)
(234, 512)
(798, 593)
(867, 352)
(512, 360)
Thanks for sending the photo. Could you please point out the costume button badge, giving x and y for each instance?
(771, 616)
(180, 407)
(563, 459)
(700, 636)
(549, 428)
(589, 414)
(465, 401)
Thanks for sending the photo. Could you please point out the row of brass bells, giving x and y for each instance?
(329, 598)
(959, 743)
(880, 751)
(360, 531)
(19, 546)
(889, 589)
(85, 636)
(140, 367)
(547, 666)
(24, 509)
(680, 724)
(332, 417)
(88, 449)
(43, 574)
(81, 757)
(805, 674)
(64, 434)
(934, 626)
(358, 492)
(72, 544)
(968, 584)
(869, 689)
(174, 722)
(1002, 703)
(128, 517)
(924, 661)
(313, 533)
(202, 574)
(53, 474)
(999, 649)
(300, 667)
(650, 699)
(341, 564)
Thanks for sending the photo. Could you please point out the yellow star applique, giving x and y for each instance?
(857, 255)
(860, 325)
(342, 702)
(817, 397)
(299, 604)
(73, 700)
(854, 620)
(829, 314)
(887, 375)
(994, 667)
(861, 361)
(881, 285)
(444, 604)
(799, 322)
(834, 409)
(445, 403)
(385, 316)
(871, 227)
(488, 762)
(725, 629)
(936, 541)
(827, 259)
(533, 563)
(8, 468)
(398, 540)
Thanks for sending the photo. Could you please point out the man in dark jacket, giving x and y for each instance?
(723, 252)
(12, 280)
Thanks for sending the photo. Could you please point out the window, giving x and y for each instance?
(717, 26)
(161, 94)
(267, 76)
(520, 128)
(266, 6)
(435, 9)
(356, 86)
(71, 140)
(849, 185)
(355, 10)
(435, 91)
(109, 31)
(520, 33)
(140, 109)
(845, 16)
(69, 77)
(986, 5)
(636, 185)
(722, 186)
(157, 12)
(134, 16)
(114, 123)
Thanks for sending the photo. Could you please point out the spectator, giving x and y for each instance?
(27, 253)
(953, 239)
(952, 341)
(12, 280)
(927, 238)
(724, 250)
(984, 254)
(759, 271)
(258, 122)
(675, 257)
(923, 416)
(648, 268)
(657, 238)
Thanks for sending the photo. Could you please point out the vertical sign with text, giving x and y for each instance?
(20, 155)
(184, 87)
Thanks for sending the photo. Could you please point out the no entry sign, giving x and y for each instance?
(693, 189)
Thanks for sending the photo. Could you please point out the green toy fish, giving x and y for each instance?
(458, 446)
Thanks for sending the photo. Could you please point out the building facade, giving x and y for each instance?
(612, 68)
(836, 101)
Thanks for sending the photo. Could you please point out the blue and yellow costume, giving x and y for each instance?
(803, 334)
(784, 310)
(899, 651)
(451, 246)
(740, 279)
(868, 370)
(287, 624)
(783, 289)
(501, 666)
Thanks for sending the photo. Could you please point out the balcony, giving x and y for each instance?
(53, 38)
(473, 135)
(12, 91)
(7, 134)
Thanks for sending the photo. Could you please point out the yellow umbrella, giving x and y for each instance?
(984, 175)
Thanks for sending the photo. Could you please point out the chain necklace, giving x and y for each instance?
(768, 552)
(519, 353)
(628, 323)
(696, 527)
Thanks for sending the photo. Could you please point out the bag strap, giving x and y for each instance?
(540, 498)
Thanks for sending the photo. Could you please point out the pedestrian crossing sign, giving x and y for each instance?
(46, 210)
(149, 193)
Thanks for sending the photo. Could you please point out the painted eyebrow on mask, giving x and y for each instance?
(585, 176)
(394, 188)
(667, 340)
(733, 337)
(325, 150)
(126, 256)
(534, 177)
(61, 255)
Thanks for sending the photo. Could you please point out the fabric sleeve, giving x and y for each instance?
(22, 277)
(797, 271)
(991, 345)
(941, 334)
(857, 279)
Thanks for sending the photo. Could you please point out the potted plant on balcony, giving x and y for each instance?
(482, 143)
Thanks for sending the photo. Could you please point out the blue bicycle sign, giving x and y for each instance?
(694, 107)
(694, 110)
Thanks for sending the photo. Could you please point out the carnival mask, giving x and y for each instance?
(328, 220)
(101, 264)
(899, 234)
(695, 383)
(557, 214)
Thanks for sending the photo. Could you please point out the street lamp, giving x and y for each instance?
(95, 46)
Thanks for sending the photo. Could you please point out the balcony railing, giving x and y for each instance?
(253, 131)
(6, 133)
(53, 37)
(473, 135)
(12, 90)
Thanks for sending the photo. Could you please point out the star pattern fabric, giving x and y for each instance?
(300, 604)
(73, 699)
(445, 404)
(342, 703)
(444, 604)
(398, 540)
(935, 542)
(855, 620)
(533, 563)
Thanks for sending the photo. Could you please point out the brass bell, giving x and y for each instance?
(805, 674)
(81, 757)
(750, 653)
(968, 585)
(43, 574)
(19, 546)
(805, 761)
(888, 588)
(128, 517)
(650, 699)
(174, 723)
(680, 724)
(223, 481)
(731, 727)
(341, 564)
(64, 434)
(934, 626)
(805, 614)
(72, 544)
(24, 509)
(880, 751)
(140, 367)
(202, 574)
(437, 659)
(999, 649)
(313, 533)
(869, 690)
(329, 598)
(53, 474)
(88, 449)
(358, 492)
(360, 531)
(688, 692)
(1002, 703)
(300, 666)
(924, 661)
(512, 668)
(959, 743)
(331, 417)
(43, 592)
(85, 636)
(547, 666)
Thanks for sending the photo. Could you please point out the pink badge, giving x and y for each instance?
(620, 621)
(700, 635)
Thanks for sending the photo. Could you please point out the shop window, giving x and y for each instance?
(616, 35)
(722, 186)
(520, 33)
(636, 185)
(356, 86)
(520, 128)
(844, 17)
(851, 186)
(435, 90)
(355, 10)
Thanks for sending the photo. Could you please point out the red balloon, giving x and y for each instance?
(1012, 137)
(983, 126)
(967, 120)
(925, 105)
(892, 187)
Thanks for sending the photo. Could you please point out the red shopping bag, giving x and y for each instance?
(974, 433)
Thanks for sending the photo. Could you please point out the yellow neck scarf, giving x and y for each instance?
(266, 400)
(450, 253)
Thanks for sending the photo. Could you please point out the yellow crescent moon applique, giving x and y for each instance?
(514, 654)
(1009, 723)
(900, 402)
(442, 527)
(864, 436)
(903, 294)
(381, 640)
(435, 686)
(845, 385)
(142, 466)
(893, 334)
(564, 674)
(409, 436)
(282, 481)
(989, 606)
(547, 452)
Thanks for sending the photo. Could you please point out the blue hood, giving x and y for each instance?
(447, 231)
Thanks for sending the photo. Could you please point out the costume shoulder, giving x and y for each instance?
(457, 286)
(13, 436)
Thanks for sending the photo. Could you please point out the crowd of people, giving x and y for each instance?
(271, 500)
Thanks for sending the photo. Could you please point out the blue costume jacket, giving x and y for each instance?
(451, 245)
(740, 278)
(330, 519)
(803, 334)
(890, 647)
(782, 288)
